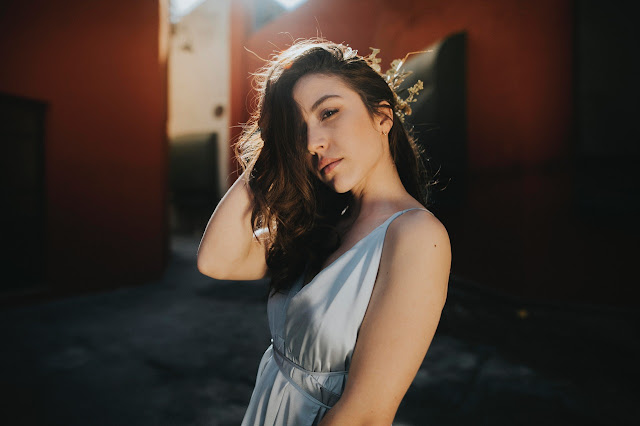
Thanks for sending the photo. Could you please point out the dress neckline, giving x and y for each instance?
(301, 280)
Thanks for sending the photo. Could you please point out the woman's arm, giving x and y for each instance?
(400, 321)
(229, 250)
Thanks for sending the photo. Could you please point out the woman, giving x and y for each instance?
(330, 205)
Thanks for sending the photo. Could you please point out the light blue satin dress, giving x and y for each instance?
(314, 331)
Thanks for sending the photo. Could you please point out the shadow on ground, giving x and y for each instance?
(185, 351)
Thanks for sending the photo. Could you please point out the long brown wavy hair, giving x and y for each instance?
(299, 210)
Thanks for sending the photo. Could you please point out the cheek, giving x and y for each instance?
(371, 155)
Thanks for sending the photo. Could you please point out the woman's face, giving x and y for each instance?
(346, 143)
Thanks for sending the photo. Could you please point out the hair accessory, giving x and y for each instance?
(394, 77)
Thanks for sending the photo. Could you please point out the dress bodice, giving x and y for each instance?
(314, 329)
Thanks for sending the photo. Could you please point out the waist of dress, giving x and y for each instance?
(323, 388)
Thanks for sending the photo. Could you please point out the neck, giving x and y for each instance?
(381, 192)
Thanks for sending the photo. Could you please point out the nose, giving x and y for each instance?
(316, 140)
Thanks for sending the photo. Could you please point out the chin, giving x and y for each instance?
(339, 186)
(342, 190)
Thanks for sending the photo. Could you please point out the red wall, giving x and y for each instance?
(519, 63)
(98, 65)
(519, 117)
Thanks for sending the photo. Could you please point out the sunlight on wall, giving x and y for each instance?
(290, 4)
(199, 76)
(180, 8)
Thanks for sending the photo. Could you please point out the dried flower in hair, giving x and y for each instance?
(373, 61)
(394, 77)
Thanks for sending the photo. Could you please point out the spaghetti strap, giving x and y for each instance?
(401, 212)
(416, 208)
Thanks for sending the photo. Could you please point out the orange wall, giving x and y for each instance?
(98, 66)
(519, 63)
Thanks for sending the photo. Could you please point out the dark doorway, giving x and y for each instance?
(22, 123)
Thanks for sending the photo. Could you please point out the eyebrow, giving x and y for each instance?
(321, 100)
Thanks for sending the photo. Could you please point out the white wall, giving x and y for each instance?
(199, 77)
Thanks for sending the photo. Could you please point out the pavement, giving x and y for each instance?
(185, 351)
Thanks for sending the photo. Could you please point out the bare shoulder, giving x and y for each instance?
(416, 252)
(416, 230)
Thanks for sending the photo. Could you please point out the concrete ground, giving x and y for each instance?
(185, 351)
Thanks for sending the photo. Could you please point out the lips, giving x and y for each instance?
(326, 165)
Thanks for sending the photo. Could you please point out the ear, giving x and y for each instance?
(384, 117)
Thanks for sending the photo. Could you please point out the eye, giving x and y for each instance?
(328, 113)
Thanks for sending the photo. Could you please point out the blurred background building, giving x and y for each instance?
(85, 158)
(118, 120)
